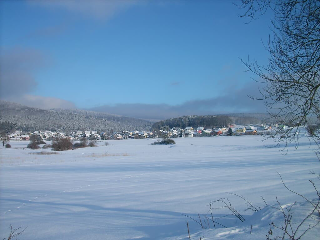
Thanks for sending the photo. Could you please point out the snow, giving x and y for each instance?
(131, 189)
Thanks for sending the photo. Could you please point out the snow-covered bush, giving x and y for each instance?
(33, 145)
(165, 141)
(61, 144)
(47, 146)
(77, 145)
(37, 139)
(82, 144)
(92, 143)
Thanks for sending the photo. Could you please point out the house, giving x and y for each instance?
(216, 132)
(200, 130)
(239, 130)
(25, 137)
(15, 135)
(207, 131)
(188, 132)
(250, 130)
(118, 136)
(79, 133)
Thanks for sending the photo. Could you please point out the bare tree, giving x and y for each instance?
(61, 144)
(292, 82)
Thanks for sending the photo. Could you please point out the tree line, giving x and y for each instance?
(208, 121)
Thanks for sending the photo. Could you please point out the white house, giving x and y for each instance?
(188, 132)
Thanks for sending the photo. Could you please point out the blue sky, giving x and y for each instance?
(141, 58)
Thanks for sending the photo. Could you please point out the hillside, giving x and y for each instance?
(31, 119)
(251, 118)
(211, 121)
(194, 121)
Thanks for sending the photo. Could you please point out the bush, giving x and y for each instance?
(33, 145)
(165, 141)
(77, 145)
(8, 145)
(61, 144)
(84, 142)
(47, 146)
(37, 139)
(93, 143)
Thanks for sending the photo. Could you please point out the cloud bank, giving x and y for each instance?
(44, 102)
(236, 101)
(17, 79)
(17, 68)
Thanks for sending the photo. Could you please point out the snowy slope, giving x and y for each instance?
(134, 190)
(30, 119)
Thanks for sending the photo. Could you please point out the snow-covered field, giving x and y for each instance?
(131, 189)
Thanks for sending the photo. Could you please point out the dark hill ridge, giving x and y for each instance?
(194, 121)
(31, 119)
(251, 118)
(211, 121)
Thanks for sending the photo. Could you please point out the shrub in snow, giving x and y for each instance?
(165, 141)
(61, 144)
(82, 144)
(92, 143)
(33, 145)
(8, 145)
(77, 145)
(37, 139)
(47, 146)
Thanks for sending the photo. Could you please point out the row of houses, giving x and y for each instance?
(202, 132)
(91, 135)
(45, 135)
(173, 133)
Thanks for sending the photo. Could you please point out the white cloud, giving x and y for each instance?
(236, 101)
(42, 102)
(17, 79)
(18, 66)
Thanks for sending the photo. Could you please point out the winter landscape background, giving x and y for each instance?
(227, 80)
(131, 189)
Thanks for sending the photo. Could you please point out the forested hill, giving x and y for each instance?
(212, 121)
(251, 118)
(209, 121)
(32, 119)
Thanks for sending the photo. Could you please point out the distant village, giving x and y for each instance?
(165, 132)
